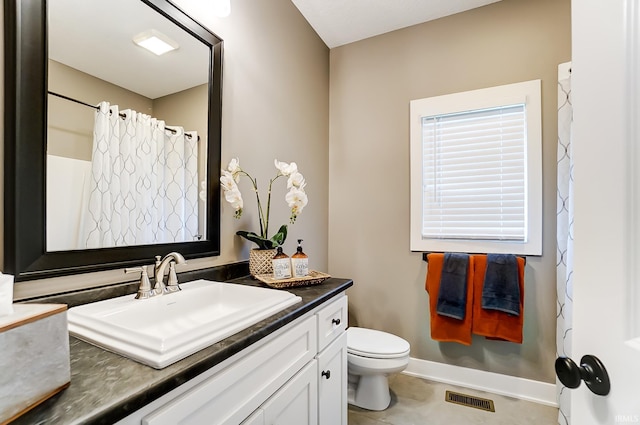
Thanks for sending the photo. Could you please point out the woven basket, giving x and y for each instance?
(260, 261)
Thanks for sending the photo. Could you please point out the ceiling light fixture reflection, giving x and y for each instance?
(155, 42)
(222, 8)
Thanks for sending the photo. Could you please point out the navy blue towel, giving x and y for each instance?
(501, 289)
(452, 295)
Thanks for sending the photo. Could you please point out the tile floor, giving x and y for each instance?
(416, 401)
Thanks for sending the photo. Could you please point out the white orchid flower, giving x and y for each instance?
(284, 168)
(296, 197)
(234, 165)
(234, 169)
(234, 197)
(228, 183)
(296, 179)
(281, 166)
(297, 200)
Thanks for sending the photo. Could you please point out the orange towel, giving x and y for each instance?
(495, 324)
(447, 328)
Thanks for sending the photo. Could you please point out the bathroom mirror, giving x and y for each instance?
(60, 64)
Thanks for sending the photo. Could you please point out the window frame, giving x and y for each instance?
(527, 93)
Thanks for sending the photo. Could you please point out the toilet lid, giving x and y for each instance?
(376, 344)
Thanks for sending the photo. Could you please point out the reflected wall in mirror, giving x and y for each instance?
(112, 153)
(130, 175)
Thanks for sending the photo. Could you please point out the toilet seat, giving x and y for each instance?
(375, 344)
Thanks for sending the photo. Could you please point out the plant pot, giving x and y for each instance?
(260, 261)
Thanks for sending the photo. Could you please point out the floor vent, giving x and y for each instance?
(467, 400)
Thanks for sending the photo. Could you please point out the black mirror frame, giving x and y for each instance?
(25, 254)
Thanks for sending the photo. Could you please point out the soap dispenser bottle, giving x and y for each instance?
(300, 262)
(281, 265)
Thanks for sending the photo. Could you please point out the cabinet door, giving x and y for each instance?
(296, 403)
(257, 418)
(332, 383)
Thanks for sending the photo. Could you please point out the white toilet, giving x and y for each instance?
(372, 356)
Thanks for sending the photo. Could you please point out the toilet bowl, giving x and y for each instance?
(371, 357)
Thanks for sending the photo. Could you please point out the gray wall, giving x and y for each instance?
(372, 82)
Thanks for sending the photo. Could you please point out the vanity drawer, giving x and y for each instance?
(234, 393)
(332, 321)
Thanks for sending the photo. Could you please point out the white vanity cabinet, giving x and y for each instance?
(318, 393)
(296, 376)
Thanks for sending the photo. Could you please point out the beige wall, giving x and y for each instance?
(70, 125)
(187, 108)
(372, 82)
(275, 105)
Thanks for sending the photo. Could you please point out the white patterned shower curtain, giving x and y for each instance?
(144, 182)
(564, 211)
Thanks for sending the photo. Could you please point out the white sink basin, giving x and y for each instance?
(162, 330)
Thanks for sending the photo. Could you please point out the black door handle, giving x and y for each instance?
(326, 374)
(591, 371)
(335, 321)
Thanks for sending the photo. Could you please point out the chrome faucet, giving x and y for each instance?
(170, 259)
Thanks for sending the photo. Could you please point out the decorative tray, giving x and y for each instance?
(313, 278)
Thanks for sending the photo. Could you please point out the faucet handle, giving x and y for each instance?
(157, 265)
(172, 281)
(144, 290)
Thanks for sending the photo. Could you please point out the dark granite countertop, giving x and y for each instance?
(106, 387)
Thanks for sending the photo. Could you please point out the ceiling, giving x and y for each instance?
(95, 37)
(340, 22)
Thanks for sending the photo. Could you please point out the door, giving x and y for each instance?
(605, 133)
(332, 383)
(296, 403)
(256, 418)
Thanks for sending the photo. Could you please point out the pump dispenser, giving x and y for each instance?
(281, 265)
(300, 262)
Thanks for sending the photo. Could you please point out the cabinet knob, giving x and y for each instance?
(326, 374)
(335, 321)
(591, 371)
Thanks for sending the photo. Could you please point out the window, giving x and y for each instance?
(476, 171)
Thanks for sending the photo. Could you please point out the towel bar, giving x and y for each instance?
(424, 257)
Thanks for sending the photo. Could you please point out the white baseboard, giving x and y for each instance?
(511, 386)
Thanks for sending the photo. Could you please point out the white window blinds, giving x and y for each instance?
(474, 181)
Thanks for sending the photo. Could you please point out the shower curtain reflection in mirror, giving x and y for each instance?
(141, 186)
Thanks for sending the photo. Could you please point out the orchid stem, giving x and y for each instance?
(261, 219)
(269, 198)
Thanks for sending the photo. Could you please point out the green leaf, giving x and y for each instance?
(257, 239)
(280, 236)
(264, 243)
